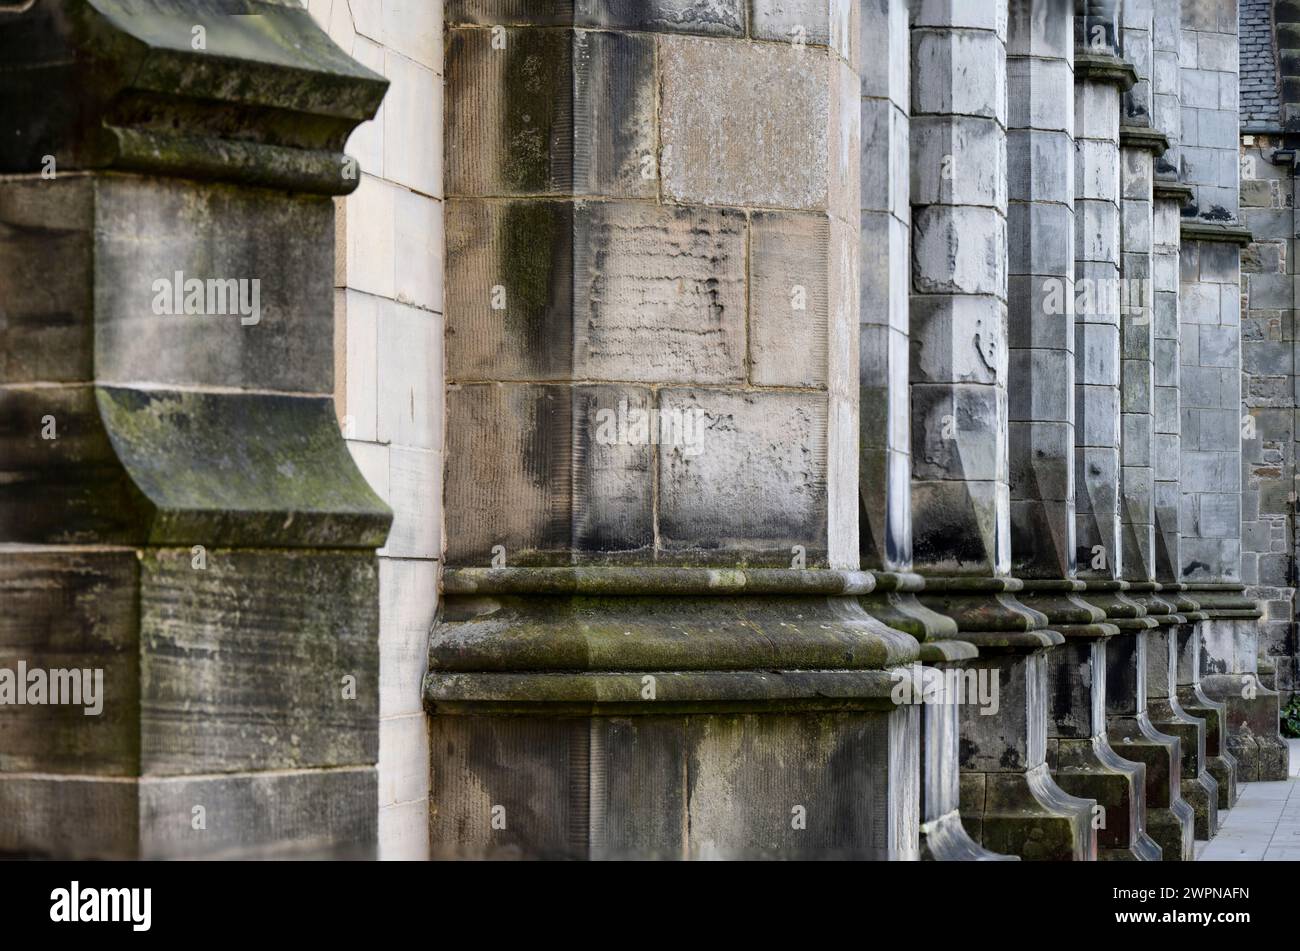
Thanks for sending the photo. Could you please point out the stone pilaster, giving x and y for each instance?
(960, 485)
(884, 490)
(1040, 154)
(1100, 77)
(1138, 143)
(179, 515)
(1211, 410)
(652, 285)
(1199, 788)
(1102, 81)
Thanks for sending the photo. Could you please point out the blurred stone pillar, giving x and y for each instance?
(884, 489)
(650, 644)
(178, 511)
(1040, 158)
(960, 491)
(1199, 788)
(1211, 406)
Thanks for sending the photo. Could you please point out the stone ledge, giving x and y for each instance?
(182, 467)
(1209, 231)
(584, 633)
(148, 100)
(675, 691)
(1224, 601)
(1143, 137)
(631, 581)
(1104, 68)
(1172, 190)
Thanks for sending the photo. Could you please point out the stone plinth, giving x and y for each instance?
(1219, 761)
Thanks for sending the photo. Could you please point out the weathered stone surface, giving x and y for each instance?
(71, 609)
(723, 146)
(162, 470)
(961, 249)
(662, 787)
(790, 267)
(829, 23)
(525, 494)
(725, 17)
(149, 236)
(780, 441)
(551, 113)
(237, 636)
(78, 85)
(614, 291)
(201, 641)
(214, 654)
(46, 334)
(247, 815)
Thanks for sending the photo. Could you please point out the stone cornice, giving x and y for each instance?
(1225, 601)
(171, 87)
(1104, 68)
(1162, 188)
(1194, 229)
(1143, 137)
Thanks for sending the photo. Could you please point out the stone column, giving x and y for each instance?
(1140, 142)
(1040, 158)
(182, 524)
(1199, 788)
(1102, 78)
(652, 287)
(960, 490)
(1211, 394)
(884, 449)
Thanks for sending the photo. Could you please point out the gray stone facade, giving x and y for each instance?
(866, 430)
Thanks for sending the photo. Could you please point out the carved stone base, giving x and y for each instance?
(1199, 788)
(1009, 801)
(1091, 769)
(666, 713)
(1228, 662)
(943, 837)
(1218, 761)
(1170, 820)
(1078, 753)
(1029, 815)
(1251, 712)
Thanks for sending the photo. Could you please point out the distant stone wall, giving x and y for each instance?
(1268, 389)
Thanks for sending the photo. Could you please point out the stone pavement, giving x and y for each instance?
(1264, 825)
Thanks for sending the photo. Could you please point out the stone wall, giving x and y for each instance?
(388, 366)
(1268, 388)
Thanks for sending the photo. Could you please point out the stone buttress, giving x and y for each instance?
(1199, 788)
(1211, 408)
(177, 506)
(650, 643)
(885, 413)
(960, 489)
(1041, 230)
